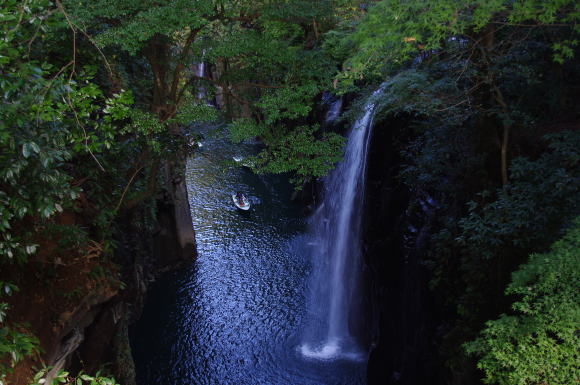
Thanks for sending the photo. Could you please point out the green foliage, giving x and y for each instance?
(288, 79)
(139, 21)
(395, 31)
(21, 155)
(15, 342)
(302, 153)
(541, 196)
(46, 120)
(538, 343)
(268, 68)
(193, 111)
(95, 97)
(501, 230)
(53, 118)
(500, 225)
(40, 136)
(458, 74)
(65, 378)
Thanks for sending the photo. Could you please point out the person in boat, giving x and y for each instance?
(240, 198)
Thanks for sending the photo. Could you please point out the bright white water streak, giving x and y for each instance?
(335, 230)
(200, 73)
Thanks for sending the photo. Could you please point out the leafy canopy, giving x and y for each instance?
(538, 343)
(267, 65)
(395, 31)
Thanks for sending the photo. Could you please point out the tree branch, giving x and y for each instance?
(180, 65)
(150, 191)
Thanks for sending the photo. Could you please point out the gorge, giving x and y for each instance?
(243, 306)
(412, 169)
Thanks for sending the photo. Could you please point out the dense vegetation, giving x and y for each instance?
(487, 90)
(100, 100)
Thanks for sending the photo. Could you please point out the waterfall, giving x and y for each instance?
(336, 251)
(335, 106)
(200, 72)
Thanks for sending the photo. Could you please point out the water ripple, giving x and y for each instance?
(234, 316)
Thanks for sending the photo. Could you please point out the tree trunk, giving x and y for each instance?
(158, 54)
(505, 137)
(504, 147)
(487, 47)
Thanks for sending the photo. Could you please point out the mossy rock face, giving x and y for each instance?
(124, 365)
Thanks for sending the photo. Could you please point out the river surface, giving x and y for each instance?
(237, 314)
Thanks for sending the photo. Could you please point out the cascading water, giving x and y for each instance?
(336, 252)
(200, 73)
(335, 106)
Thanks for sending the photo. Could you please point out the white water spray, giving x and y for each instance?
(337, 251)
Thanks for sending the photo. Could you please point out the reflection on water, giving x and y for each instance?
(233, 317)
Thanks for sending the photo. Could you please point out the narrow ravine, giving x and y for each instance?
(236, 315)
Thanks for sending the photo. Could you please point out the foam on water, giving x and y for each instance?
(331, 350)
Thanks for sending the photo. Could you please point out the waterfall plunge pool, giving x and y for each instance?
(238, 314)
